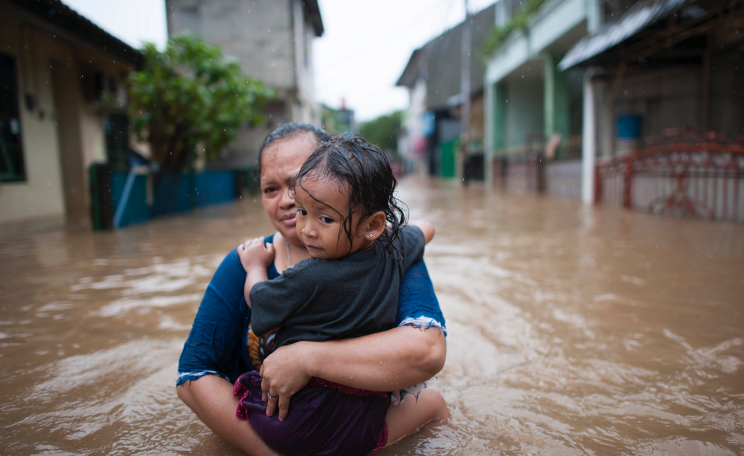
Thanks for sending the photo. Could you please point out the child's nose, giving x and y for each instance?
(308, 231)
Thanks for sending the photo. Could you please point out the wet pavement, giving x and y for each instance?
(572, 330)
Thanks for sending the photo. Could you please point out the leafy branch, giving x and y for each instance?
(499, 34)
(188, 99)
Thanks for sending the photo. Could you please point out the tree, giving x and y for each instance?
(332, 122)
(189, 96)
(383, 131)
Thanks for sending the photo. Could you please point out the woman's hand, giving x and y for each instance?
(285, 372)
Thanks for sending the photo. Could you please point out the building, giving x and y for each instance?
(55, 65)
(529, 101)
(433, 78)
(668, 75)
(273, 41)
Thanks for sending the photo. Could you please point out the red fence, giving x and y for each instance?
(703, 180)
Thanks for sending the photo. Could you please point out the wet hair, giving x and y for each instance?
(287, 131)
(365, 171)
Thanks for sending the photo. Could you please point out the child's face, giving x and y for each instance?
(320, 227)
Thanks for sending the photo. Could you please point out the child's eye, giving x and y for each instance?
(301, 212)
(326, 220)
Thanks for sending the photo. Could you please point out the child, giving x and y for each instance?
(352, 226)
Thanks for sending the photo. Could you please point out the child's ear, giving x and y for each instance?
(375, 225)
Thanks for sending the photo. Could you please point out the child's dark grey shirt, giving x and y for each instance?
(318, 300)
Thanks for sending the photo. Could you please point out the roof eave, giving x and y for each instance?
(406, 79)
(313, 11)
(590, 48)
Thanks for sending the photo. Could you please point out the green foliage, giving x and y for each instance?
(499, 34)
(332, 122)
(383, 131)
(189, 96)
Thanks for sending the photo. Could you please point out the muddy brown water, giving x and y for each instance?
(572, 330)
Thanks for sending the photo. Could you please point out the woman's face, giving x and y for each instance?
(280, 161)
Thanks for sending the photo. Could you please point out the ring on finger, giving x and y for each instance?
(272, 397)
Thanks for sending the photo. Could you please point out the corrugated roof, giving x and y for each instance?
(411, 72)
(313, 11)
(57, 13)
(640, 16)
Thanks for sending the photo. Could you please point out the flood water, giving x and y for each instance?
(572, 330)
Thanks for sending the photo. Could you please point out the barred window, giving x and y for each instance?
(12, 168)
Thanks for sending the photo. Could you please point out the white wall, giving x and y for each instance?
(41, 193)
(34, 51)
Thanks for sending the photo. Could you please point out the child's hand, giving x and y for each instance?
(254, 253)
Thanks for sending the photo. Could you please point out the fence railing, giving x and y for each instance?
(703, 180)
(532, 173)
(121, 197)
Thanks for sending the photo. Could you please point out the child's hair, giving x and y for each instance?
(365, 171)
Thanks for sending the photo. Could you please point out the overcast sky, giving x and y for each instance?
(366, 44)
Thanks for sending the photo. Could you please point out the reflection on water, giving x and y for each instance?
(572, 330)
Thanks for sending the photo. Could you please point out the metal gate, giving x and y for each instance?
(705, 180)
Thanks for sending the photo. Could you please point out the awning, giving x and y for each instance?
(638, 17)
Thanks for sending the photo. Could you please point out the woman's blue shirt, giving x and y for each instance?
(217, 344)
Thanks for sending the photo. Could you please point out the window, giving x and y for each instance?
(12, 168)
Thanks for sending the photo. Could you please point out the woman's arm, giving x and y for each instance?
(212, 354)
(425, 227)
(211, 398)
(386, 361)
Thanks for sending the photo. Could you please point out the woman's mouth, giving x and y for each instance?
(289, 220)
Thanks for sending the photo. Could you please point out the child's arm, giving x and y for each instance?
(426, 227)
(256, 257)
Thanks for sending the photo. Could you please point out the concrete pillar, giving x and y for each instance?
(488, 135)
(499, 117)
(69, 104)
(589, 139)
(593, 16)
(556, 100)
(495, 125)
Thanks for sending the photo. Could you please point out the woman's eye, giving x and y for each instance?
(269, 190)
(301, 212)
(326, 220)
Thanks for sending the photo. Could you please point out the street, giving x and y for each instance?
(571, 329)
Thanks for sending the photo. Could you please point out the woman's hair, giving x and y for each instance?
(364, 170)
(287, 131)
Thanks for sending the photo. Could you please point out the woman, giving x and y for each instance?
(216, 352)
